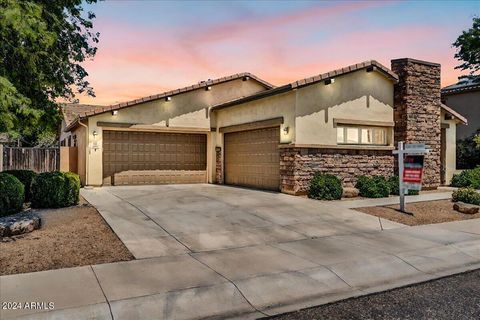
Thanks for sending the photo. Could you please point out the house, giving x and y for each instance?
(241, 130)
(464, 98)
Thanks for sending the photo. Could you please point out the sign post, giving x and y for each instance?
(410, 168)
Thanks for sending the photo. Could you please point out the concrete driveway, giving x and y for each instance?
(217, 251)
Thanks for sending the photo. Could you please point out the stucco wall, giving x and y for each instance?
(359, 95)
(468, 105)
(186, 110)
(450, 147)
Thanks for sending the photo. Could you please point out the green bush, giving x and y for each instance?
(55, 190)
(467, 195)
(73, 188)
(393, 184)
(12, 194)
(26, 178)
(325, 187)
(467, 178)
(373, 187)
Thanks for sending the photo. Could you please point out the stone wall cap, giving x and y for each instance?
(428, 63)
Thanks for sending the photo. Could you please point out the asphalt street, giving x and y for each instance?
(455, 297)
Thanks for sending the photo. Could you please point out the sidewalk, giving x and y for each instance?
(252, 281)
(351, 204)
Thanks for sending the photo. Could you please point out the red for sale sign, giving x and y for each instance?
(413, 171)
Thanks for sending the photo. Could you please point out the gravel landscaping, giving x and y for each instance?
(68, 237)
(427, 212)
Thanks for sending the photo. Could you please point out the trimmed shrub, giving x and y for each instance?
(325, 187)
(467, 178)
(12, 194)
(26, 178)
(55, 190)
(373, 187)
(467, 195)
(73, 188)
(393, 184)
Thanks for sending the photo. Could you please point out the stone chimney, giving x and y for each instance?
(417, 111)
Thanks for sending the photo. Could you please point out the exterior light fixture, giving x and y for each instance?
(208, 88)
(246, 78)
(329, 81)
(285, 130)
(168, 98)
(94, 133)
(371, 68)
(114, 112)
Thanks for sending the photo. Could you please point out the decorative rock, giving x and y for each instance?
(350, 192)
(19, 223)
(466, 208)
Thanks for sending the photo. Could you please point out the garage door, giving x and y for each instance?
(252, 158)
(153, 158)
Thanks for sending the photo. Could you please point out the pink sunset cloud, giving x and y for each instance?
(135, 61)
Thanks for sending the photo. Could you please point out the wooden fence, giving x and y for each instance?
(36, 159)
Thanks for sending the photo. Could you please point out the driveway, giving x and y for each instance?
(218, 251)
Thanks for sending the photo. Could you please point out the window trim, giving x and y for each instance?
(359, 129)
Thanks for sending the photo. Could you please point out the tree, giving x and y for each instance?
(42, 46)
(468, 48)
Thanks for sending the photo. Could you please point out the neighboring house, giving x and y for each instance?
(240, 130)
(464, 97)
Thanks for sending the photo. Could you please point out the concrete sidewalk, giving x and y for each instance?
(312, 254)
(393, 200)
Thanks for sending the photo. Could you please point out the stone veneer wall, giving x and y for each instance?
(218, 166)
(417, 111)
(297, 166)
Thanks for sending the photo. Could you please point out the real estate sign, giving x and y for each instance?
(410, 165)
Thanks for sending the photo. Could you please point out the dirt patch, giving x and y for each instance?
(68, 237)
(427, 212)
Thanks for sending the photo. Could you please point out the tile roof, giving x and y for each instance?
(311, 80)
(74, 112)
(465, 83)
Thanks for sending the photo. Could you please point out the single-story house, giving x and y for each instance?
(241, 130)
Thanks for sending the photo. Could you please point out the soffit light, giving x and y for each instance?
(208, 88)
(114, 112)
(168, 99)
(329, 81)
(371, 68)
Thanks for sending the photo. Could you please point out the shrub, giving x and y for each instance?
(73, 188)
(55, 190)
(373, 187)
(26, 178)
(467, 195)
(468, 152)
(325, 187)
(467, 178)
(12, 194)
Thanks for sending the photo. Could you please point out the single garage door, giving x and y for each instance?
(252, 158)
(153, 158)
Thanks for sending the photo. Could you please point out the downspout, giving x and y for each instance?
(87, 155)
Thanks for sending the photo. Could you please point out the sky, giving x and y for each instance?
(148, 47)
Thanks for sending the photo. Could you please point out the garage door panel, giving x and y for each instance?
(252, 158)
(151, 158)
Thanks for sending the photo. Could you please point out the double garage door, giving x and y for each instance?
(153, 158)
(252, 158)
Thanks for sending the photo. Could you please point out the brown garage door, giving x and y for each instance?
(153, 158)
(252, 158)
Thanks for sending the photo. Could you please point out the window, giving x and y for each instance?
(362, 135)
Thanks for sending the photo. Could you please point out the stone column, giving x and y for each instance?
(218, 165)
(417, 111)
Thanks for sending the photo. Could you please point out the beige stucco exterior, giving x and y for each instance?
(450, 163)
(185, 112)
(310, 112)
